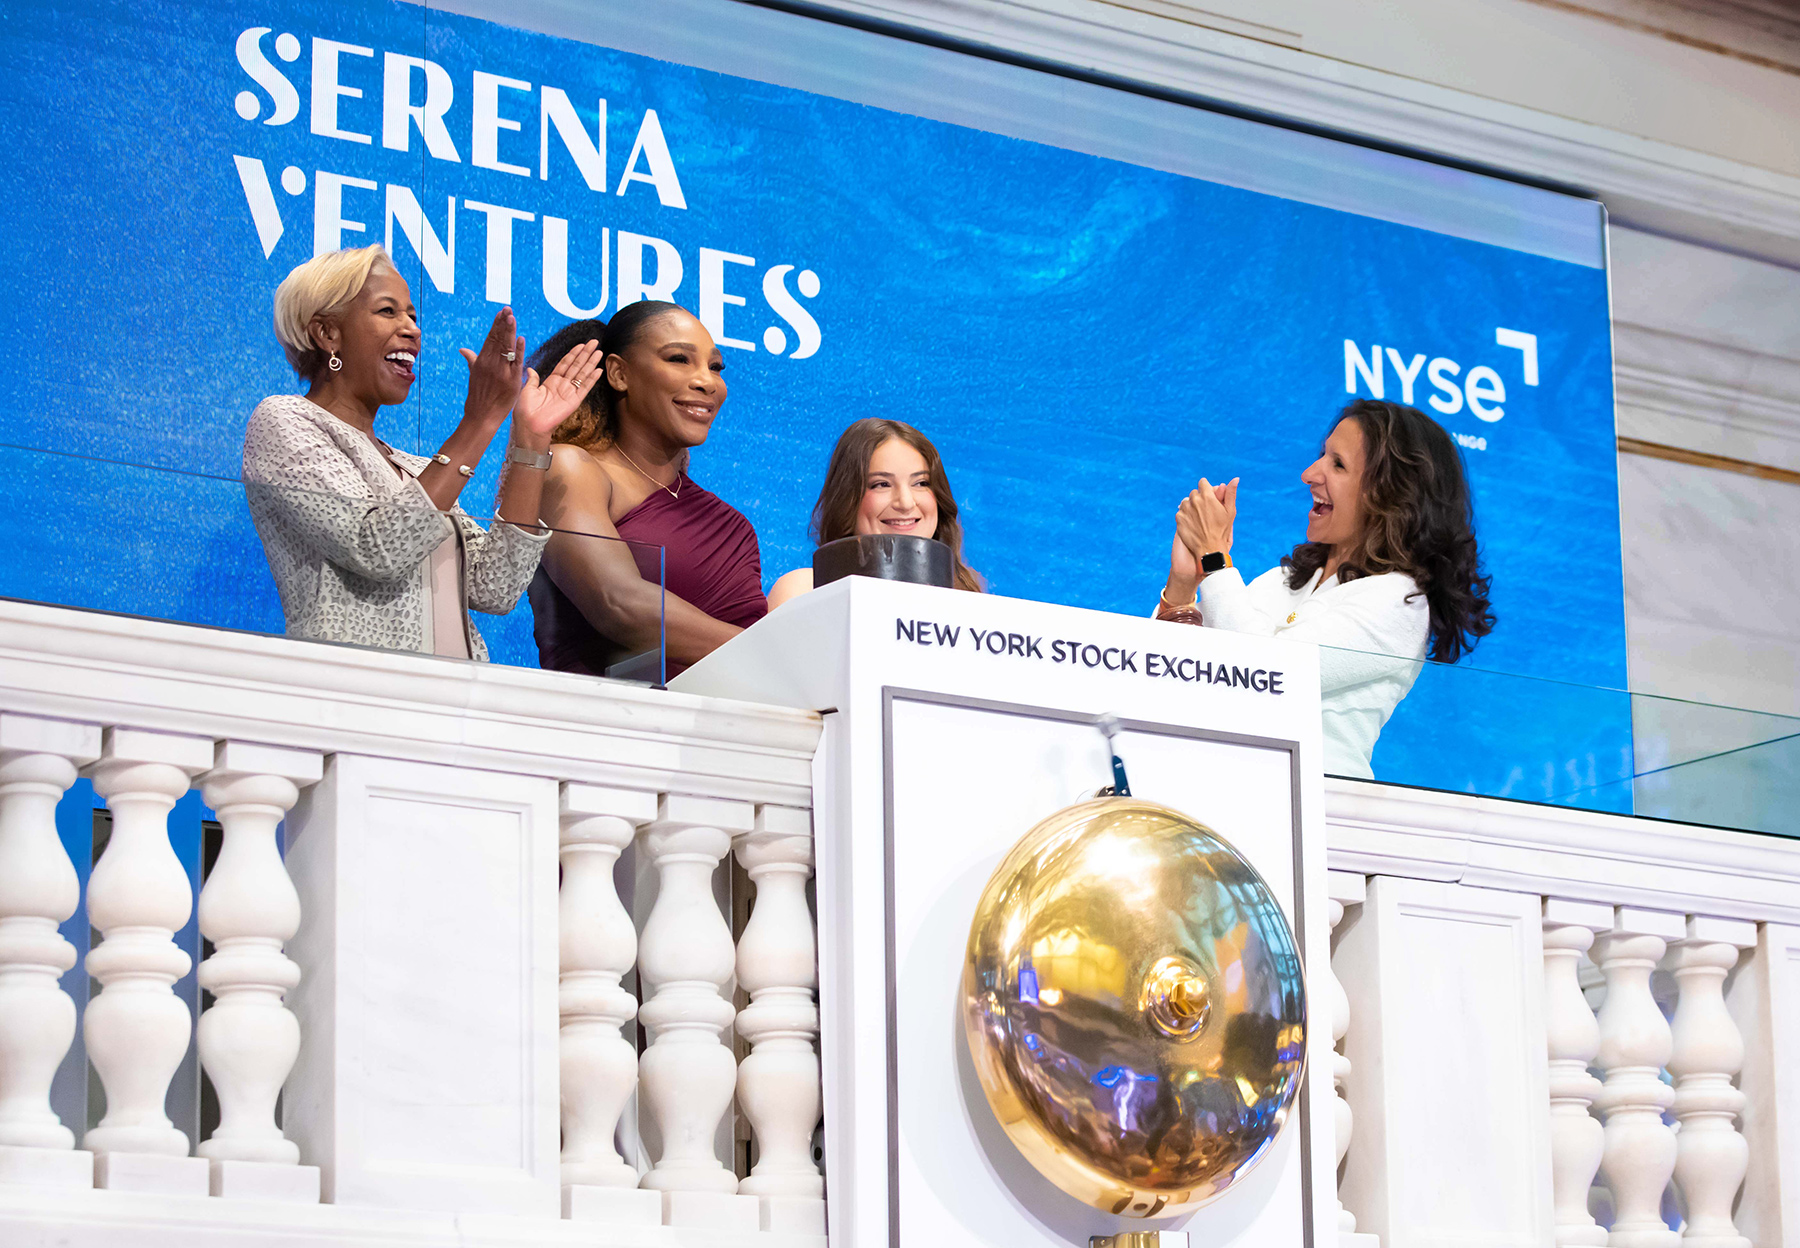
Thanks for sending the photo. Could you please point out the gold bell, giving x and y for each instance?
(1135, 1010)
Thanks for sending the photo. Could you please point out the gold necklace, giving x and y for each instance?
(674, 493)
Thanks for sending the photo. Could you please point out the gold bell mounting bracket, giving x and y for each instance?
(1141, 1239)
(1109, 727)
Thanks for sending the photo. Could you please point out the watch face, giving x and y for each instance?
(1212, 562)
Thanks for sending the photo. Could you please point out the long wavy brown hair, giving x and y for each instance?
(1417, 519)
(847, 480)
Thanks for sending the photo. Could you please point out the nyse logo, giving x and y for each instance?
(1481, 389)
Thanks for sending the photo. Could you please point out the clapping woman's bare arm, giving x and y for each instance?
(590, 564)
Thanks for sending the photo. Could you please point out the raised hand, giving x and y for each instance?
(541, 406)
(494, 378)
(1207, 517)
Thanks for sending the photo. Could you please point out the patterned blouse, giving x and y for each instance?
(349, 539)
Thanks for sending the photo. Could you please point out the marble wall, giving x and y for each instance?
(1707, 349)
(1644, 68)
(1712, 584)
(1708, 359)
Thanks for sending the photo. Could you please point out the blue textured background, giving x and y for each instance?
(1082, 338)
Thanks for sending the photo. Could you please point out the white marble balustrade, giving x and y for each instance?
(1463, 928)
(1691, 1133)
(137, 1031)
(1700, 1050)
(38, 891)
(598, 949)
(426, 821)
(1614, 1131)
(688, 965)
(1348, 891)
(249, 1038)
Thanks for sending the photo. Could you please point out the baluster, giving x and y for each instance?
(1711, 1157)
(598, 946)
(685, 960)
(137, 1030)
(248, 908)
(1635, 1042)
(1577, 1140)
(778, 1082)
(38, 891)
(1346, 888)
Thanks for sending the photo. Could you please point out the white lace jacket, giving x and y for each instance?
(348, 539)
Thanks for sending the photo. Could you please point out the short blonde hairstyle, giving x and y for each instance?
(321, 289)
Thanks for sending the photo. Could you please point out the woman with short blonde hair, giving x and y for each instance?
(321, 289)
(366, 542)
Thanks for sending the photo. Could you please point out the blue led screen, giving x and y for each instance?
(1082, 337)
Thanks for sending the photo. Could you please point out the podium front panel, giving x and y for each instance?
(954, 722)
(965, 777)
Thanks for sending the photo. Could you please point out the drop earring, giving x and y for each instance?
(335, 364)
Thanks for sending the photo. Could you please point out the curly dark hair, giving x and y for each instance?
(584, 422)
(1417, 519)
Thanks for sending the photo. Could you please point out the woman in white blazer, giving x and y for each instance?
(366, 542)
(1388, 576)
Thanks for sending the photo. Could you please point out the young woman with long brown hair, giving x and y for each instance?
(1388, 576)
(885, 477)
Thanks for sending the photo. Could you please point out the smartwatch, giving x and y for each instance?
(1214, 561)
(516, 454)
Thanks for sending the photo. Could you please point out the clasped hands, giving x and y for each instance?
(499, 382)
(1203, 526)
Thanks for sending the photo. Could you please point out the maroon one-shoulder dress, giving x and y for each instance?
(712, 563)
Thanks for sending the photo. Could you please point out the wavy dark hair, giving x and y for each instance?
(596, 422)
(1417, 519)
(847, 478)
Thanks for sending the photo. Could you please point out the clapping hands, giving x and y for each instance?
(495, 372)
(1203, 525)
(1205, 519)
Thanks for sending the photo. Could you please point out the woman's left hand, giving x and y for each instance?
(542, 406)
(1207, 517)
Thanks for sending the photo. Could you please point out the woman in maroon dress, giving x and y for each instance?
(617, 470)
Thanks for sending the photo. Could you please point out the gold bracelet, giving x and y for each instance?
(1163, 595)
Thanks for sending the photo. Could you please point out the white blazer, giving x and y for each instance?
(1372, 632)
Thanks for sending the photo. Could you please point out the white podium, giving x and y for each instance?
(954, 723)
